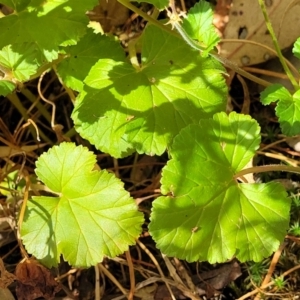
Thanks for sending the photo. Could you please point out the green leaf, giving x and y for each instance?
(81, 57)
(92, 216)
(123, 109)
(16, 5)
(288, 112)
(6, 87)
(160, 4)
(274, 93)
(21, 60)
(48, 24)
(199, 25)
(296, 48)
(206, 213)
(287, 109)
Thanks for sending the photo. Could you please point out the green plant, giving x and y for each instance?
(257, 271)
(173, 99)
(280, 283)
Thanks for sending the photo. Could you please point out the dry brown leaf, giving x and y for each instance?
(8, 151)
(110, 14)
(6, 278)
(143, 169)
(34, 281)
(215, 280)
(246, 22)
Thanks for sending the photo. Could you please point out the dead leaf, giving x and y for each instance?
(215, 280)
(110, 14)
(162, 293)
(6, 278)
(221, 15)
(246, 22)
(143, 169)
(34, 281)
(8, 151)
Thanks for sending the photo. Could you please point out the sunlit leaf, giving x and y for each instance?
(206, 214)
(90, 215)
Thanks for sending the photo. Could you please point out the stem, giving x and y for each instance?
(231, 65)
(181, 33)
(276, 45)
(270, 168)
(14, 99)
(148, 18)
(132, 54)
(291, 66)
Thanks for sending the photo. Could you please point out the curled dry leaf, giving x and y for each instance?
(214, 281)
(34, 281)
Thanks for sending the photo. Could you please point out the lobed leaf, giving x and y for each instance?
(123, 109)
(84, 55)
(199, 25)
(49, 24)
(21, 60)
(287, 109)
(296, 48)
(288, 113)
(206, 214)
(6, 87)
(90, 217)
(274, 93)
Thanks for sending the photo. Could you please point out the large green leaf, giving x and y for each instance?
(84, 55)
(48, 24)
(206, 213)
(287, 109)
(90, 217)
(123, 109)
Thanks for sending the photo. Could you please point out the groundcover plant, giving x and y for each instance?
(171, 97)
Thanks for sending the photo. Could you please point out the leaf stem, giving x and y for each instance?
(148, 18)
(269, 168)
(180, 32)
(132, 54)
(276, 45)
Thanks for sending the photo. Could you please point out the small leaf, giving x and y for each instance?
(199, 25)
(84, 55)
(6, 87)
(274, 93)
(288, 113)
(296, 48)
(21, 60)
(92, 215)
(206, 214)
(123, 109)
(287, 109)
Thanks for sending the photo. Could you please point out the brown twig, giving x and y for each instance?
(131, 275)
(257, 290)
(272, 266)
